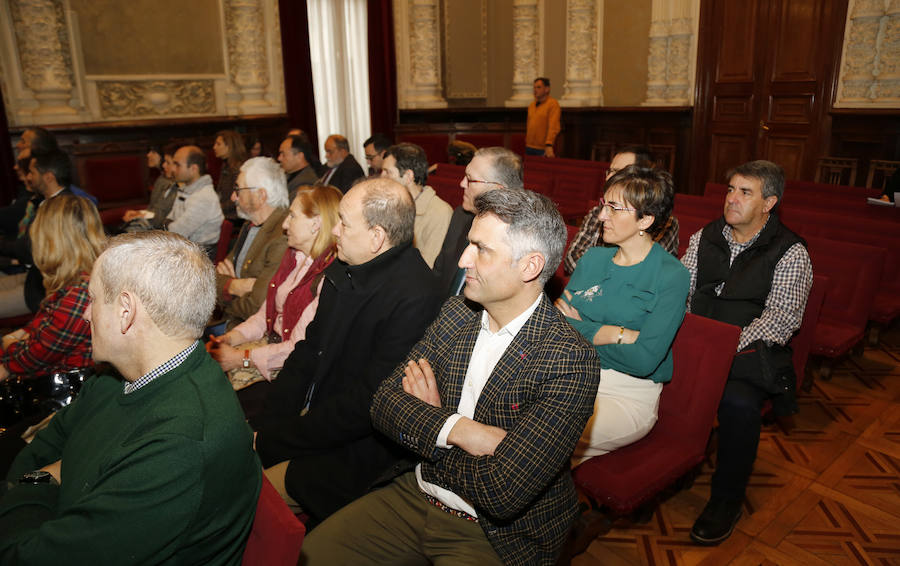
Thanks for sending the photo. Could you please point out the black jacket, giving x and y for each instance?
(317, 412)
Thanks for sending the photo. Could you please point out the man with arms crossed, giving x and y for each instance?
(491, 402)
(153, 466)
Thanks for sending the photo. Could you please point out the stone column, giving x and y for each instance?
(584, 36)
(418, 41)
(42, 40)
(670, 62)
(527, 50)
(870, 68)
(247, 60)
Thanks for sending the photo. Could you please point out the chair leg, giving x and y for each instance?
(874, 333)
(858, 349)
(825, 369)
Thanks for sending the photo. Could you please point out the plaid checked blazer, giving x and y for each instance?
(541, 392)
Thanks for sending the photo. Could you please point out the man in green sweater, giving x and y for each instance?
(151, 467)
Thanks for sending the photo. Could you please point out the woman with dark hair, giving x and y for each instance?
(628, 300)
(66, 238)
(229, 147)
(257, 348)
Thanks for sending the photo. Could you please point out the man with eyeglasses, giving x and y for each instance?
(261, 197)
(375, 149)
(196, 214)
(588, 234)
(491, 168)
(749, 270)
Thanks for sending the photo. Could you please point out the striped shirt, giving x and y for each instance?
(786, 302)
(165, 367)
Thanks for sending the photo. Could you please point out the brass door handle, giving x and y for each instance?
(763, 125)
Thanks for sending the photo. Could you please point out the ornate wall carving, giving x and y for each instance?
(673, 52)
(870, 65)
(42, 41)
(45, 82)
(528, 40)
(121, 99)
(246, 53)
(584, 32)
(417, 39)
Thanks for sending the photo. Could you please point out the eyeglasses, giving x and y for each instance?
(615, 207)
(239, 189)
(371, 157)
(470, 180)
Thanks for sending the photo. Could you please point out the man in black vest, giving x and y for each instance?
(749, 270)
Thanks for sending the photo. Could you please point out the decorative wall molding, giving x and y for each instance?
(584, 53)
(45, 61)
(417, 39)
(671, 62)
(44, 80)
(128, 99)
(528, 50)
(452, 89)
(870, 62)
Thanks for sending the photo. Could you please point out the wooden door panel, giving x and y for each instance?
(787, 151)
(788, 109)
(797, 28)
(727, 150)
(737, 42)
(734, 108)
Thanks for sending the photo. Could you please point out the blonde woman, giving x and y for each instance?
(257, 348)
(66, 237)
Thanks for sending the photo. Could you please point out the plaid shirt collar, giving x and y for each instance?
(161, 369)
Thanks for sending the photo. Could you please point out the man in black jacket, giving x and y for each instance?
(315, 437)
(343, 169)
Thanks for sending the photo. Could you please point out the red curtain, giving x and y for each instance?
(382, 67)
(298, 87)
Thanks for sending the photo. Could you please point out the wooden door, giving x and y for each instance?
(765, 74)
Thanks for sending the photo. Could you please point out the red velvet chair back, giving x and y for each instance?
(626, 478)
(277, 534)
(802, 342)
(224, 240)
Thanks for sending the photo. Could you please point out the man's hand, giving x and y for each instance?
(420, 383)
(4, 373)
(226, 268)
(475, 438)
(54, 470)
(548, 151)
(241, 287)
(131, 215)
(565, 308)
(227, 356)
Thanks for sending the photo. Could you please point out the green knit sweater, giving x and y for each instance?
(649, 297)
(164, 475)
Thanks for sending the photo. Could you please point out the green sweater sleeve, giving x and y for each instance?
(642, 358)
(137, 512)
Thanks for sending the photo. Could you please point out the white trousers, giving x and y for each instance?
(624, 411)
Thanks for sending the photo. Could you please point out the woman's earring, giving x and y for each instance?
(641, 233)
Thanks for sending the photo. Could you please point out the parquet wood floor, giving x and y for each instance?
(824, 492)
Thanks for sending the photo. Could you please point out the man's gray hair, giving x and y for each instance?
(266, 173)
(535, 224)
(506, 166)
(387, 203)
(173, 278)
(770, 176)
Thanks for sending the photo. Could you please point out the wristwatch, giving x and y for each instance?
(37, 477)
(246, 362)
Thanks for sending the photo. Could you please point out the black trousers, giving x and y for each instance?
(740, 422)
